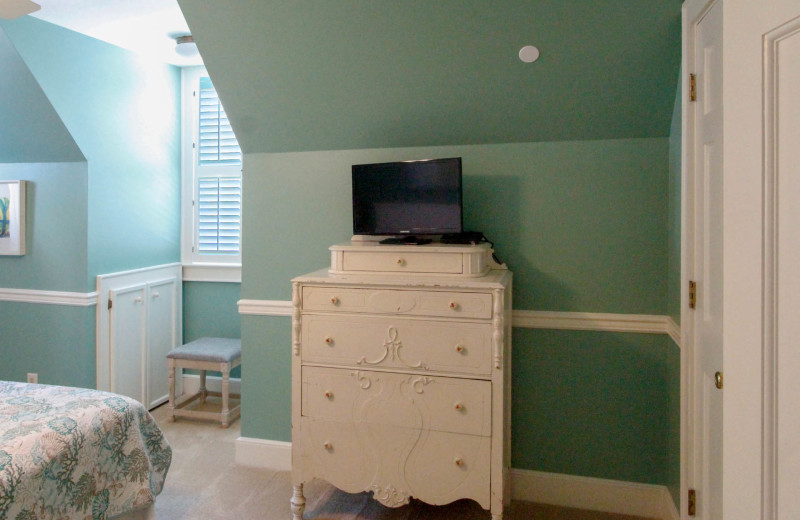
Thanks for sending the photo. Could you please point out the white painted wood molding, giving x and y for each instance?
(73, 299)
(635, 323)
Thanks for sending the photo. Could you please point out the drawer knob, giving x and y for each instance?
(335, 300)
(459, 462)
(329, 394)
(400, 261)
(327, 445)
(459, 406)
(460, 349)
(329, 340)
(453, 305)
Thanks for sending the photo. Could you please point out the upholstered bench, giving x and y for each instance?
(220, 354)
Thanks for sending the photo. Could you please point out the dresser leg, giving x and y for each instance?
(298, 502)
(497, 516)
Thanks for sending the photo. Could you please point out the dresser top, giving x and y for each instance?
(494, 279)
(433, 247)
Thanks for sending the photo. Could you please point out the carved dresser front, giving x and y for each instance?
(401, 379)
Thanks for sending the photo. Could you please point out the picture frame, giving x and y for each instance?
(12, 218)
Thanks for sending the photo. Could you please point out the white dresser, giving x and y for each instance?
(401, 371)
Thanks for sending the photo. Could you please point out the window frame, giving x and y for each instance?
(197, 267)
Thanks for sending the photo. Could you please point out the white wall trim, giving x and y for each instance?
(265, 307)
(73, 299)
(212, 273)
(262, 453)
(638, 323)
(595, 494)
(611, 496)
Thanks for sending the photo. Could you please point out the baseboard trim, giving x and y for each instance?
(610, 496)
(71, 299)
(262, 453)
(191, 384)
(636, 323)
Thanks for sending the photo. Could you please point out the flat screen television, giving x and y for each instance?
(409, 198)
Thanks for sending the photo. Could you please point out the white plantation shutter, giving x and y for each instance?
(218, 189)
(219, 212)
(217, 144)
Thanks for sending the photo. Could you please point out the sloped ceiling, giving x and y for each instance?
(300, 75)
(30, 129)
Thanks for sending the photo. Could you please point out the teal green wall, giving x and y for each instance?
(30, 129)
(124, 113)
(674, 273)
(567, 169)
(55, 341)
(116, 207)
(55, 225)
(583, 225)
(211, 309)
(354, 74)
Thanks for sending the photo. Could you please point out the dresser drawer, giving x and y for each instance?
(400, 343)
(448, 304)
(442, 404)
(402, 262)
(437, 467)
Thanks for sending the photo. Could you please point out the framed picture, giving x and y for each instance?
(12, 217)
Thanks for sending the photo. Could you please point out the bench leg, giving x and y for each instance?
(226, 386)
(203, 391)
(171, 374)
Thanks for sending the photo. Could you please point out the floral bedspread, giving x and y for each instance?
(72, 453)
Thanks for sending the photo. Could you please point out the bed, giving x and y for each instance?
(73, 453)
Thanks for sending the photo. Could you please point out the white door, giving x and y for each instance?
(782, 265)
(161, 324)
(128, 340)
(705, 255)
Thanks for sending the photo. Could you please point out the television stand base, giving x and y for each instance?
(408, 240)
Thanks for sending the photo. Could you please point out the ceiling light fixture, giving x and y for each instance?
(10, 9)
(529, 54)
(185, 45)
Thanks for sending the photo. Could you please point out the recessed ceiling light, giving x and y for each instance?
(529, 54)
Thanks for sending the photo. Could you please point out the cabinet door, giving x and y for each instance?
(162, 337)
(128, 340)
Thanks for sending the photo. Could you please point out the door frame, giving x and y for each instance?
(691, 12)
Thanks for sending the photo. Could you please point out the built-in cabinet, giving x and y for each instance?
(140, 322)
(401, 367)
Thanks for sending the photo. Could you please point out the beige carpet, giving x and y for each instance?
(204, 484)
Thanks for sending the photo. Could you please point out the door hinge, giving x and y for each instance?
(692, 87)
(692, 502)
(692, 294)
(110, 304)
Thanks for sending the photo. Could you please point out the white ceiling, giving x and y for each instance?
(146, 27)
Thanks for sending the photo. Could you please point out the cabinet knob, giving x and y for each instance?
(458, 461)
(335, 300)
(459, 406)
(155, 294)
(400, 261)
(329, 394)
(460, 349)
(453, 305)
(327, 445)
(138, 299)
(329, 340)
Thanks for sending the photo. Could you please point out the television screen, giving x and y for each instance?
(407, 198)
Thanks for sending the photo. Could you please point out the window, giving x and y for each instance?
(212, 177)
